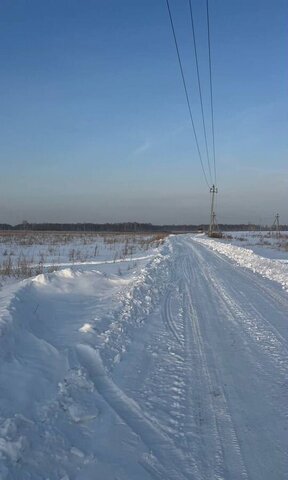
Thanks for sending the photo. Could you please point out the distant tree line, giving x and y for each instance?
(128, 227)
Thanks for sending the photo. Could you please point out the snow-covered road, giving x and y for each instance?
(176, 372)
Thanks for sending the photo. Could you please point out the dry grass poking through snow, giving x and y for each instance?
(267, 239)
(24, 254)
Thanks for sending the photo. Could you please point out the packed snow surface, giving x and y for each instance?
(172, 369)
(273, 269)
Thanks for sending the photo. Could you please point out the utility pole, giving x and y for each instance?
(276, 224)
(212, 226)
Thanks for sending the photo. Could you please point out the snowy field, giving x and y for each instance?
(263, 243)
(23, 254)
(143, 358)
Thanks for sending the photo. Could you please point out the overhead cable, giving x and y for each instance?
(199, 88)
(211, 91)
(186, 93)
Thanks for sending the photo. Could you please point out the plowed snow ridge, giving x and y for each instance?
(275, 270)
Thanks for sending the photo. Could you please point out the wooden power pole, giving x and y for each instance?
(213, 227)
(276, 225)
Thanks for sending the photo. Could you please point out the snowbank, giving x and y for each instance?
(46, 406)
(275, 270)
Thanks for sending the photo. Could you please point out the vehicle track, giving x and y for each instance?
(205, 392)
(168, 315)
(259, 329)
(207, 408)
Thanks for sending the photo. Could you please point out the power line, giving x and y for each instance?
(186, 93)
(211, 89)
(199, 87)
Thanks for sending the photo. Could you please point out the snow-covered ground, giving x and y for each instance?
(268, 266)
(23, 254)
(171, 365)
(264, 243)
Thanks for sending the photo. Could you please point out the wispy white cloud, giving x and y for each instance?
(144, 147)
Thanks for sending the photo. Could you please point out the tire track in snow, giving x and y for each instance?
(255, 382)
(202, 409)
(199, 413)
(271, 269)
(272, 296)
(163, 449)
(167, 315)
(187, 387)
(208, 414)
(210, 437)
(255, 326)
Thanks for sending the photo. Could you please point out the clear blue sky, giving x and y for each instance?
(94, 124)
